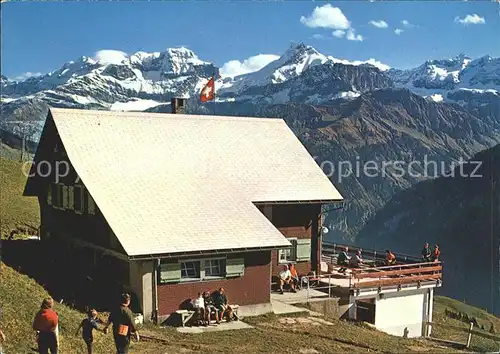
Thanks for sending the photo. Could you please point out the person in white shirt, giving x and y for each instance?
(285, 277)
(199, 306)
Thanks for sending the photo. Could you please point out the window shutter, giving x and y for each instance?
(90, 204)
(235, 267)
(303, 250)
(170, 273)
(71, 197)
(49, 194)
(65, 197)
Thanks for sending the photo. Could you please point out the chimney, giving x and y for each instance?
(178, 105)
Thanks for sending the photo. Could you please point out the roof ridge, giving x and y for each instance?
(160, 115)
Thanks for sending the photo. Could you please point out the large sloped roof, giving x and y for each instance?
(169, 183)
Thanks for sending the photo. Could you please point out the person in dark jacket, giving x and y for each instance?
(46, 324)
(123, 325)
(221, 304)
(426, 253)
(343, 260)
(210, 307)
(88, 325)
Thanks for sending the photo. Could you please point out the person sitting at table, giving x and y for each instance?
(343, 260)
(295, 275)
(356, 261)
(285, 277)
(390, 258)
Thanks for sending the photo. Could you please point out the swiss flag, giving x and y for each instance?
(208, 91)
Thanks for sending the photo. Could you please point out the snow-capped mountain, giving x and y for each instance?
(301, 75)
(143, 78)
(441, 79)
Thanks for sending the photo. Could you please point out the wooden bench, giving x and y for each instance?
(185, 316)
(233, 307)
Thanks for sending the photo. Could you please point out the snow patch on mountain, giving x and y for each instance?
(134, 105)
(435, 98)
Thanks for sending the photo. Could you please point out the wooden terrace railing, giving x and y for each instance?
(374, 274)
(395, 275)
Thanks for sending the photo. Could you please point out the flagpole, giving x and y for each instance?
(214, 89)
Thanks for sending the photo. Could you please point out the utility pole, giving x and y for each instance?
(23, 143)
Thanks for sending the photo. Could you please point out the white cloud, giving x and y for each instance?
(26, 75)
(235, 67)
(407, 24)
(318, 36)
(376, 63)
(326, 16)
(474, 19)
(352, 36)
(379, 24)
(338, 33)
(110, 56)
(370, 61)
(398, 31)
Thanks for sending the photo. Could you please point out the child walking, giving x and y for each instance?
(88, 325)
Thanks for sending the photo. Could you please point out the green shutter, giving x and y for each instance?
(235, 267)
(170, 273)
(65, 197)
(49, 194)
(71, 197)
(90, 204)
(303, 250)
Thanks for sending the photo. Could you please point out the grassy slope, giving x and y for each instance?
(445, 326)
(21, 296)
(15, 210)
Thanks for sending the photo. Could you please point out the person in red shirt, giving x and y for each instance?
(436, 253)
(46, 324)
(295, 277)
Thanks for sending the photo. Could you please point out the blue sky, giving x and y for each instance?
(39, 37)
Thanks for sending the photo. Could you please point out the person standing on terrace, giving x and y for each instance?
(436, 253)
(426, 253)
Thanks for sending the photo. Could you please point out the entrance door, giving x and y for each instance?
(365, 310)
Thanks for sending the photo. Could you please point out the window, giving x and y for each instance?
(78, 199)
(190, 270)
(288, 255)
(199, 270)
(203, 269)
(215, 268)
(299, 252)
(90, 204)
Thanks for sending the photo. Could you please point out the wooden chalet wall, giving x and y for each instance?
(298, 221)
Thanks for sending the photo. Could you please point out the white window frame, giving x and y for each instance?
(202, 276)
(222, 269)
(293, 251)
